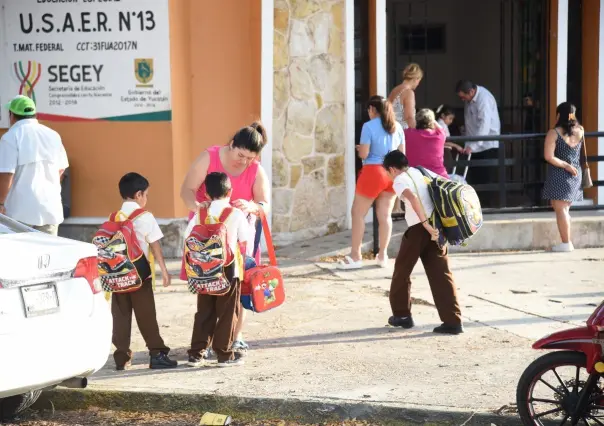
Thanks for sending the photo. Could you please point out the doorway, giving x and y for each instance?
(505, 51)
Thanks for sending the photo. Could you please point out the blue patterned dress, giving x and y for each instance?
(561, 185)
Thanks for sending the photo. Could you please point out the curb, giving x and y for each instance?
(243, 409)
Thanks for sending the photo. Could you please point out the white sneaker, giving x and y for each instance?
(563, 248)
(382, 263)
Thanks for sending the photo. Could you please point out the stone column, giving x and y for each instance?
(309, 194)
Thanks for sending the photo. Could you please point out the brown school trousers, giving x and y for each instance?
(142, 302)
(416, 245)
(215, 323)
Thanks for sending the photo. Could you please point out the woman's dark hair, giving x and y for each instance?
(384, 109)
(396, 159)
(567, 120)
(252, 137)
(443, 111)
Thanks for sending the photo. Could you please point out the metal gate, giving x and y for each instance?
(505, 50)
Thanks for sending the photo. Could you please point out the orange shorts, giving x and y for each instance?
(373, 180)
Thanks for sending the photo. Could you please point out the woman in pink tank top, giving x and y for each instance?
(239, 161)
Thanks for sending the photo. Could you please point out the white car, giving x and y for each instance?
(55, 324)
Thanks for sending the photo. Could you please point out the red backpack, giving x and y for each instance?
(207, 254)
(123, 266)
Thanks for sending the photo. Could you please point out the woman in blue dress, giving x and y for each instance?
(562, 187)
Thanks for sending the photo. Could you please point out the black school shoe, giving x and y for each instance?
(404, 322)
(161, 361)
(449, 329)
(124, 367)
(198, 361)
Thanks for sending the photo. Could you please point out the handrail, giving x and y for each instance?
(512, 137)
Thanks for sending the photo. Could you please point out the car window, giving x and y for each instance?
(10, 226)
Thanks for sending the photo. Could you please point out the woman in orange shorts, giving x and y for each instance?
(380, 135)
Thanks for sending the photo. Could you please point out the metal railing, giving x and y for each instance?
(505, 186)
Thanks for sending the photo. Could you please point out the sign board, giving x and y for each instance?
(87, 59)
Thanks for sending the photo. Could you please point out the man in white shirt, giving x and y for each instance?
(420, 242)
(481, 118)
(32, 160)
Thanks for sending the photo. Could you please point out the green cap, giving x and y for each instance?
(22, 105)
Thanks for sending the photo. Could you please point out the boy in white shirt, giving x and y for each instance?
(420, 242)
(217, 316)
(134, 190)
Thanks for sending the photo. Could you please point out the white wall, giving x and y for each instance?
(350, 111)
(600, 169)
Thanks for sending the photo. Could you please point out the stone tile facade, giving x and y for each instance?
(309, 195)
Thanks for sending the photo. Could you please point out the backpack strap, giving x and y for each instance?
(136, 213)
(113, 216)
(225, 214)
(202, 215)
(267, 237)
(423, 171)
(418, 196)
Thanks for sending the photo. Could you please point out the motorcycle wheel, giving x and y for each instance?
(563, 395)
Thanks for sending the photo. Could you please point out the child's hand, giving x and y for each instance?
(166, 278)
(432, 231)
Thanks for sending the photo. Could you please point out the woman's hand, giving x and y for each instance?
(203, 205)
(571, 169)
(245, 206)
(432, 231)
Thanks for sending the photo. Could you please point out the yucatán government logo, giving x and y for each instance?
(28, 74)
(143, 71)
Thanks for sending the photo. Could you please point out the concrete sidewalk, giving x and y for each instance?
(328, 351)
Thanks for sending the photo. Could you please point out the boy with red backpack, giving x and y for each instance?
(214, 250)
(127, 244)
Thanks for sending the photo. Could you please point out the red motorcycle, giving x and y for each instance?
(566, 387)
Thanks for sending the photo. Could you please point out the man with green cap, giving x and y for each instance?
(32, 161)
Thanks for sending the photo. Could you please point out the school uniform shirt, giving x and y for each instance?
(380, 141)
(443, 126)
(413, 179)
(35, 155)
(237, 227)
(145, 226)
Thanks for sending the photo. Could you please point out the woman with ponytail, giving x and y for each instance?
(380, 135)
(239, 161)
(563, 146)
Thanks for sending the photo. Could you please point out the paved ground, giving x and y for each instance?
(330, 342)
(97, 417)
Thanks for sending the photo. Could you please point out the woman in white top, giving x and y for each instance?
(402, 96)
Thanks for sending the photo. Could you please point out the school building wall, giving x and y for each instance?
(215, 89)
(216, 67)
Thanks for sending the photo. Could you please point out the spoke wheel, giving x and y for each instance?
(549, 390)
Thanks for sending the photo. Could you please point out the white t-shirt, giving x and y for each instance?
(414, 180)
(35, 154)
(145, 226)
(443, 126)
(237, 225)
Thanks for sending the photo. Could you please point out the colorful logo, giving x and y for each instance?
(28, 77)
(143, 71)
